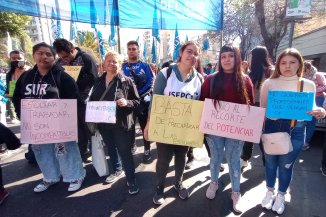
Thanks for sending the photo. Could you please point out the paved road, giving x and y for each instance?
(97, 199)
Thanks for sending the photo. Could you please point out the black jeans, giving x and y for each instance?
(190, 153)
(84, 135)
(165, 153)
(119, 142)
(323, 160)
(247, 150)
(142, 119)
(1, 183)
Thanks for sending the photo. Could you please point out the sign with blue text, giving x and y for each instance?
(290, 105)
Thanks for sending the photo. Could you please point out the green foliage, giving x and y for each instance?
(13, 23)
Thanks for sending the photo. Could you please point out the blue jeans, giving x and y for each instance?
(55, 160)
(233, 150)
(283, 163)
(311, 125)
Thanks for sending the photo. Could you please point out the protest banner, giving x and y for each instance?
(175, 121)
(73, 71)
(289, 105)
(101, 111)
(232, 120)
(12, 86)
(45, 121)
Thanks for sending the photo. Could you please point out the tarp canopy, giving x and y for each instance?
(143, 14)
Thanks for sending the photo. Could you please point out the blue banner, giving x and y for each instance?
(289, 105)
(144, 14)
(188, 15)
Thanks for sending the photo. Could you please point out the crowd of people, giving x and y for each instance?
(132, 83)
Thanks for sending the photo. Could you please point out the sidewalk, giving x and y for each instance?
(308, 197)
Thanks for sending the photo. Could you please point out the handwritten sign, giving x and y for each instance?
(289, 105)
(73, 71)
(232, 120)
(175, 121)
(12, 86)
(101, 111)
(45, 121)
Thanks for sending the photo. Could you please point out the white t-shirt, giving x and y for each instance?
(190, 89)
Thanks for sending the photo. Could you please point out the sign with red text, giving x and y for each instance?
(45, 121)
(232, 120)
(175, 121)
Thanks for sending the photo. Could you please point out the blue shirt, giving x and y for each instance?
(144, 73)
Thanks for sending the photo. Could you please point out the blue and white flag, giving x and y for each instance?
(153, 52)
(177, 45)
(155, 27)
(205, 44)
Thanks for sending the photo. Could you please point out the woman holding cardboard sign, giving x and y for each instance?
(118, 136)
(230, 85)
(286, 77)
(177, 80)
(49, 81)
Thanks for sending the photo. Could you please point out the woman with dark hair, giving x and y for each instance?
(54, 159)
(286, 77)
(260, 69)
(185, 79)
(230, 85)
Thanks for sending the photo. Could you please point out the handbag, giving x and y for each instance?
(277, 143)
(98, 155)
(92, 127)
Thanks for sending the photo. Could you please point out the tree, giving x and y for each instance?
(240, 26)
(272, 22)
(13, 23)
(88, 42)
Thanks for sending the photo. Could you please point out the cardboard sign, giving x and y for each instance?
(289, 105)
(73, 71)
(175, 121)
(232, 120)
(12, 86)
(101, 111)
(45, 121)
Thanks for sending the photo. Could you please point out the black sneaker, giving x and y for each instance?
(133, 188)
(323, 170)
(134, 149)
(190, 163)
(147, 156)
(182, 192)
(3, 195)
(158, 198)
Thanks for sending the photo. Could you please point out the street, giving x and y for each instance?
(96, 199)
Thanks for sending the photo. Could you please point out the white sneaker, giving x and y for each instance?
(43, 186)
(74, 186)
(236, 197)
(268, 200)
(243, 163)
(279, 204)
(211, 190)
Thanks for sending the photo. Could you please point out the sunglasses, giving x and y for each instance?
(132, 49)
